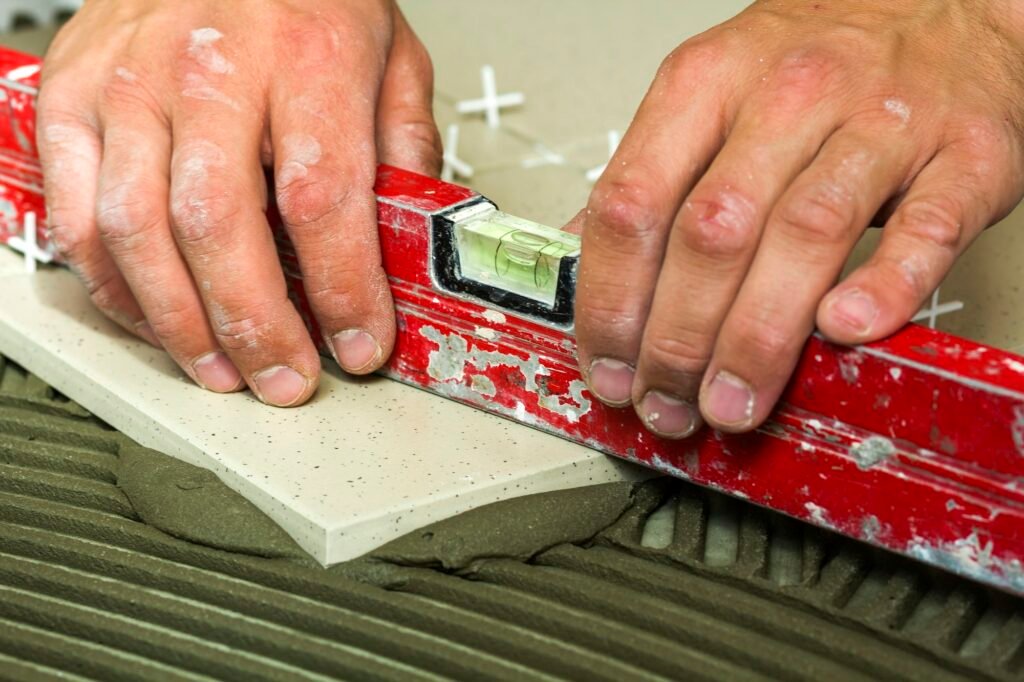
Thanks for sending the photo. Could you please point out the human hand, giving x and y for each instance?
(156, 120)
(713, 242)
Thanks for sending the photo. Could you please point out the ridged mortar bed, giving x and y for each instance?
(119, 563)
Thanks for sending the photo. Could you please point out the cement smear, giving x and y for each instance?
(117, 563)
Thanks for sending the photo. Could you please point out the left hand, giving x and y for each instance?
(764, 149)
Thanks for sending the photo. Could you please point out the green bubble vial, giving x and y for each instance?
(513, 254)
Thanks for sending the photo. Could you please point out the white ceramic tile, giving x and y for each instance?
(365, 462)
(11, 262)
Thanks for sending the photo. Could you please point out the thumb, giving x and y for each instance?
(407, 135)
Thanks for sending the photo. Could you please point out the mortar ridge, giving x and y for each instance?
(67, 531)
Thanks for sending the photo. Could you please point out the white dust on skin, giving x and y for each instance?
(202, 47)
(70, 150)
(196, 87)
(917, 271)
(203, 50)
(300, 153)
(193, 162)
(899, 109)
(119, 191)
(125, 75)
(71, 159)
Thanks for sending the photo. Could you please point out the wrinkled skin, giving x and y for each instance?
(155, 122)
(763, 150)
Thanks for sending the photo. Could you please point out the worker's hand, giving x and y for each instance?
(713, 242)
(156, 120)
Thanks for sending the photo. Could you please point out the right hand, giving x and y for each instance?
(156, 120)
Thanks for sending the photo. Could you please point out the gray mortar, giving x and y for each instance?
(120, 563)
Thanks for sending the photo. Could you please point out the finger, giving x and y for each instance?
(631, 209)
(714, 239)
(809, 236)
(133, 222)
(218, 199)
(951, 201)
(407, 135)
(326, 168)
(70, 152)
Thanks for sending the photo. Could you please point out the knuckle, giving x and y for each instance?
(607, 316)
(909, 276)
(936, 219)
(116, 94)
(719, 225)
(353, 295)
(420, 60)
(821, 213)
(201, 216)
(762, 340)
(67, 236)
(313, 199)
(175, 325)
(675, 354)
(807, 70)
(247, 328)
(624, 212)
(106, 295)
(693, 61)
(422, 135)
(122, 213)
(56, 93)
(311, 39)
(982, 134)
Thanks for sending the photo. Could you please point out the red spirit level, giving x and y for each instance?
(915, 443)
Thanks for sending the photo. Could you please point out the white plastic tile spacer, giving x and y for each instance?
(491, 103)
(614, 139)
(28, 244)
(937, 310)
(453, 165)
(545, 157)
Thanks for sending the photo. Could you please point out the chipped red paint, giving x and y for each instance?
(915, 443)
(20, 178)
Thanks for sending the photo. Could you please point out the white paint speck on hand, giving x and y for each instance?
(202, 48)
(899, 109)
(193, 163)
(125, 75)
(300, 153)
(197, 87)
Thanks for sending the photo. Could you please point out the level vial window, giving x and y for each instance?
(518, 256)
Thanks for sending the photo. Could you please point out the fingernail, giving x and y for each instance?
(611, 381)
(856, 310)
(667, 415)
(280, 386)
(144, 330)
(215, 372)
(729, 400)
(355, 350)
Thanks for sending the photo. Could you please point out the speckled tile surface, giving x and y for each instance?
(363, 463)
(10, 263)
